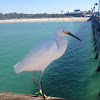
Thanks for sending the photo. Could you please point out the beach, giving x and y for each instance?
(69, 19)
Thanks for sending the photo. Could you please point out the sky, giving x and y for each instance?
(45, 6)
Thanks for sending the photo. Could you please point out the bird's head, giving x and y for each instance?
(61, 32)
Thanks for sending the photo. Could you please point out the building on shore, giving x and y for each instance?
(76, 13)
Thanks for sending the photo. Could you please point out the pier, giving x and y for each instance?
(17, 96)
(96, 36)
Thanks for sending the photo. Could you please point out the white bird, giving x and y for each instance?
(40, 56)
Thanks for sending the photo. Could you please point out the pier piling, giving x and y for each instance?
(96, 36)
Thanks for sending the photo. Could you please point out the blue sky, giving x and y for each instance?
(45, 6)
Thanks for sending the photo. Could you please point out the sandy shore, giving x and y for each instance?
(71, 19)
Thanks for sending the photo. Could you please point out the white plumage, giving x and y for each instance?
(40, 56)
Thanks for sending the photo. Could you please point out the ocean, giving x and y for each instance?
(73, 76)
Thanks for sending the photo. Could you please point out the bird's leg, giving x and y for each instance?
(40, 83)
(41, 90)
(32, 78)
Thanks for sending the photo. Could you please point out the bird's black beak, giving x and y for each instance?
(70, 34)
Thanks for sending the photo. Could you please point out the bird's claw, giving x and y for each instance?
(40, 91)
(48, 97)
(37, 93)
(44, 95)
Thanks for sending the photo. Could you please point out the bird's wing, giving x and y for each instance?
(37, 56)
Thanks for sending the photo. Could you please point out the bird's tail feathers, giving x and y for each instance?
(17, 68)
(16, 65)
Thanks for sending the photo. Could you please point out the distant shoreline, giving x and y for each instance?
(68, 19)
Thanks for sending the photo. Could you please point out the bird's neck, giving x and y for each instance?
(61, 43)
(61, 47)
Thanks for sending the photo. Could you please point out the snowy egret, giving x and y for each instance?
(43, 54)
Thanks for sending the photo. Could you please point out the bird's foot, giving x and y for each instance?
(47, 97)
(40, 91)
(37, 93)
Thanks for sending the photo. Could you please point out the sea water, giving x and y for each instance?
(73, 76)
